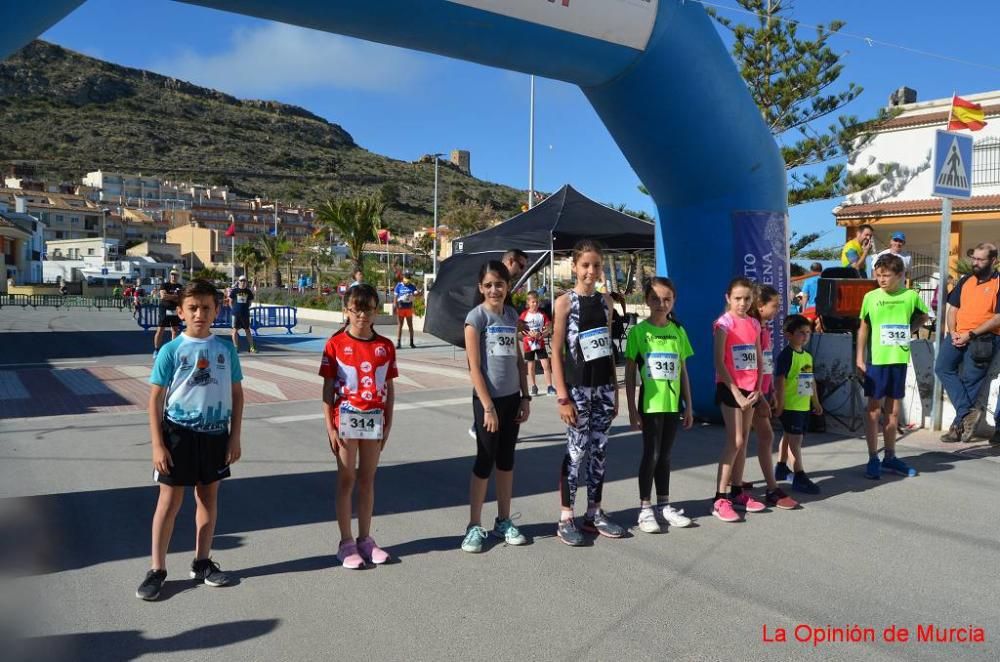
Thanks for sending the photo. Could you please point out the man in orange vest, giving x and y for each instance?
(973, 320)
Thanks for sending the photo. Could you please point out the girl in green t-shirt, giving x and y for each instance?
(657, 348)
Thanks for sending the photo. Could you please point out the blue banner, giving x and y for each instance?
(760, 253)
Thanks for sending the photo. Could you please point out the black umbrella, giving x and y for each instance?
(455, 292)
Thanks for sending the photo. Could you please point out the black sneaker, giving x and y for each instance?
(600, 523)
(208, 572)
(150, 587)
(412, 346)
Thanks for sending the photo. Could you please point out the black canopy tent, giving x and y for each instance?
(555, 224)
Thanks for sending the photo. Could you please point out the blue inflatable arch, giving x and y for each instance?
(658, 76)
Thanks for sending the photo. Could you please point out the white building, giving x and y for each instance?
(902, 201)
(27, 253)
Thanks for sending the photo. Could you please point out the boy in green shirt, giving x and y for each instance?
(795, 390)
(889, 316)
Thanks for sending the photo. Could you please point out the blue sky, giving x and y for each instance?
(404, 104)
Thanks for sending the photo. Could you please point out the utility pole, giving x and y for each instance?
(435, 246)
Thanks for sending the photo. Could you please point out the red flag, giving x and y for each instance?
(965, 115)
(231, 230)
(384, 236)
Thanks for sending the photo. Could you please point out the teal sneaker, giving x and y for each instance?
(475, 536)
(505, 529)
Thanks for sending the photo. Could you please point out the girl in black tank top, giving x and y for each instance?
(583, 372)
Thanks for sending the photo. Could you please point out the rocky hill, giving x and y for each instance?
(65, 114)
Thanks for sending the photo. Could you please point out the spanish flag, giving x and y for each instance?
(965, 115)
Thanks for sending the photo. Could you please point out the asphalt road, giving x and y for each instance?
(77, 501)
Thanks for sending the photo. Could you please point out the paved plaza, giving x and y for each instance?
(77, 502)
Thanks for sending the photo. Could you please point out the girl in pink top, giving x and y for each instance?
(765, 309)
(737, 354)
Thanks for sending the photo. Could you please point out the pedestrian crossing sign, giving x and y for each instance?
(952, 165)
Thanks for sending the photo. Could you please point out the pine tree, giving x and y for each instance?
(792, 80)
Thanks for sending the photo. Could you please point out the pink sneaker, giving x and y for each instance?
(744, 501)
(723, 509)
(372, 552)
(348, 555)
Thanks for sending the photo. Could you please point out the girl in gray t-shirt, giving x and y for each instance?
(499, 402)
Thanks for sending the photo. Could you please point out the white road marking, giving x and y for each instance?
(403, 379)
(80, 382)
(137, 371)
(261, 386)
(302, 375)
(402, 406)
(11, 387)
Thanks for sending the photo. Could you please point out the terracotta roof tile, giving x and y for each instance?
(906, 207)
(907, 121)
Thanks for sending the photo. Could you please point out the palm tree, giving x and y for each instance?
(273, 249)
(355, 219)
(249, 256)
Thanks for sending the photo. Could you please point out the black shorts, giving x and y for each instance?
(496, 448)
(241, 320)
(166, 320)
(724, 396)
(536, 354)
(795, 422)
(199, 457)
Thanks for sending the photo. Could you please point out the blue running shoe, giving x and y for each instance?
(897, 466)
(781, 471)
(475, 536)
(874, 468)
(801, 483)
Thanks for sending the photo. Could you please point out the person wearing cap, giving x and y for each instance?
(403, 295)
(896, 244)
(169, 295)
(240, 298)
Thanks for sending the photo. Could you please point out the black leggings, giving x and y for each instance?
(658, 432)
(496, 447)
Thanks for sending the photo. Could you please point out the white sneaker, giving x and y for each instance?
(675, 517)
(472, 432)
(647, 521)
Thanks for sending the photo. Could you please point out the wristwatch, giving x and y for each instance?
(563, 401)
(526, 397)
(972, 334)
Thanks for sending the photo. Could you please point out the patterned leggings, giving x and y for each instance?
(594, 408)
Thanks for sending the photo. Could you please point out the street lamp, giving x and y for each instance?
(435, 245)
(104, 235)
(290, 281)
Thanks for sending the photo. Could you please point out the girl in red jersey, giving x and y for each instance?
(736, 349)
(358, 368)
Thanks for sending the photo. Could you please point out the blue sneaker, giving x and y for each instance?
(801, 483)
(781, 471)
(506, 531)
(475, 536)
(897, 466)
(874, 468)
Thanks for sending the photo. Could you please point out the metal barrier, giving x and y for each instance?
(60, 301)
(149, 317)
(285, 317)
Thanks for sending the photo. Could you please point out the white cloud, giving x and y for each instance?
(278, 58)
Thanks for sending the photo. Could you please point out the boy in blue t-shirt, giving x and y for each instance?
(195, 419)
(403, 295)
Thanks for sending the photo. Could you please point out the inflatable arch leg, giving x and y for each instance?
(660, 79)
